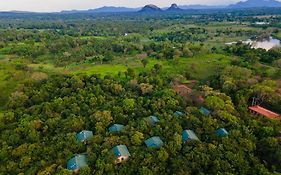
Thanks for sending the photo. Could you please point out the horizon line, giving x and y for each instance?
(211, 6)
(94, 8)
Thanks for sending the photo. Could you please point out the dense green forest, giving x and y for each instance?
(62, 74)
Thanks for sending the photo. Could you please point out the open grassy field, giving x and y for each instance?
(10, 78)
(47, 68)
(200, 67)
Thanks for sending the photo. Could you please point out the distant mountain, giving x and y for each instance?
(105, 9)
(174, 8)
(72, 11)
(256, 3)
(115, 9)
(150, 8)
(199, 7)
(18, 12)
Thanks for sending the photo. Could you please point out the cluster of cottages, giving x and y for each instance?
(121, 152)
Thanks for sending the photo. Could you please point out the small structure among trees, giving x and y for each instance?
(121, 152)
(152, 120)
(77, 162)
(116, 128)
(188, 135)
(258, 110)
(183, 90)
(222, 132)
(154, 142)
(178, 114)
(84, 136)
(205, 111)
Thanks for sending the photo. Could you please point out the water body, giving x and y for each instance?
(266, 44)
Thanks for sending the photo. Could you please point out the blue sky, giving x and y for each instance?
(58, 5)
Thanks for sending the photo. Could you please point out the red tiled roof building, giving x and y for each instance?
(182, 90)
(264, 112)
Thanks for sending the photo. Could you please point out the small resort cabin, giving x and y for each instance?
(77, 162)
(84, 136)
(121, 152)
(152, 120)
(188, 135)
(115, 128)
(205, 111)
(154, 142)
(178, 114)
(222, 132)
(182, 90)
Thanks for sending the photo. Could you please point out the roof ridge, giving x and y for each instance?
(266, 109)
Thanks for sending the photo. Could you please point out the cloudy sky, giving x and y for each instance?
(58, 5)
